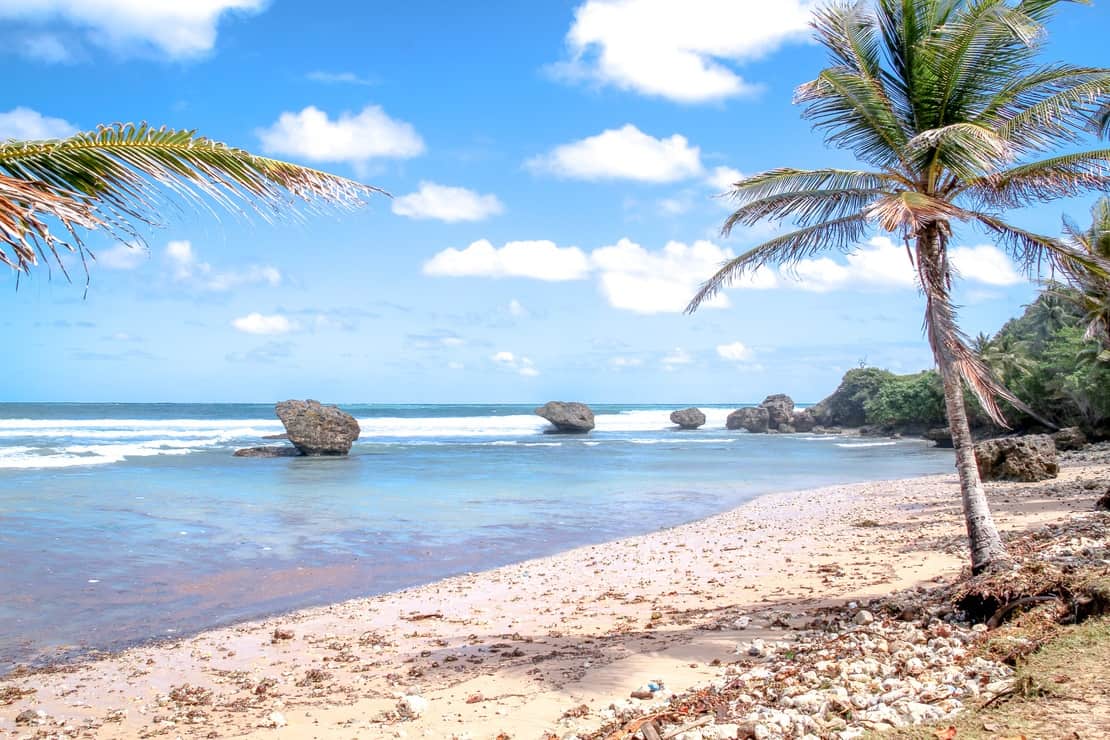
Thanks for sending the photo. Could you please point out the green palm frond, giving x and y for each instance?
(123, 176)
(1047, 179)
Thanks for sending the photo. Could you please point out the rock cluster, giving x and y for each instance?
(1030, 458)
(568, 417)
(690, 418)
(775, 414)
(1069, 438)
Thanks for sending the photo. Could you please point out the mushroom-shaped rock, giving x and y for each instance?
(753, 419)
(939, 436)
(268, 451)
(568, 417)
(690, 418)
(315, 429)
(780, 407)
(1030, 458)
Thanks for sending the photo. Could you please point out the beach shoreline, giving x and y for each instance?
(513, 649)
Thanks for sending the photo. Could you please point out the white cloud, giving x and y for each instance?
(623, 154)
(339, 78)
(541, 260)
(455, 365)
(516, 308)
(123, 257)
(446, 203)
(520, 365)
(176, 28)
(676, 358)
(985, 264)
(736, 352)
(45, 47)
(883, 265)
(256, 323)
(635, 279)
(355, 138)
(187, 268)
(30, 125)
(721, 179)
(626, 362)
(679, 51)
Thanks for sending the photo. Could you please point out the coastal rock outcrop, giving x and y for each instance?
(1030, 458)
(755, 419)
(804, 421)
(568, 417)
(690, 418)
(1069, 438)
(268, 451)
(780, 410)
(315, 429)
(939, 436)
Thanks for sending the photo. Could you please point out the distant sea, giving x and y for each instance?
(125, 522)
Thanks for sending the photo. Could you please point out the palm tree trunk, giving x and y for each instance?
(984, 540)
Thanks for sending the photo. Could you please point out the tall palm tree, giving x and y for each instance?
(1093, 294)
(121, 177)
(942, 99)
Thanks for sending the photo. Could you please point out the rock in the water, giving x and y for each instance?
(269, 451)
(1029, 458)
(1104, 502)
(568, 417)
(804, 421)
(786, 429)
(753, 419)
(1069, 438)
(940, 436)
(315, 429)
(780, 408)
(690, 418)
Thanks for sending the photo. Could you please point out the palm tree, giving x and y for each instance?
(942, 99)
(119, 177)
(1093, 294)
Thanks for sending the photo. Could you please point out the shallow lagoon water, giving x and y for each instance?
(125, 522)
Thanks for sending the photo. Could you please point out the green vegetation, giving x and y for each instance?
(908, 399)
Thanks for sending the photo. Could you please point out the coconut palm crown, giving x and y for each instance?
(1091, 293)
(945, 103)
(120, 177)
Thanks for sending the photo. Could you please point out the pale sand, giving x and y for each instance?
(527, 642)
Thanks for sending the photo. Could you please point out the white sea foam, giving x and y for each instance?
(848, 445)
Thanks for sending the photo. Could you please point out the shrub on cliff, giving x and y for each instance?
(907, 400)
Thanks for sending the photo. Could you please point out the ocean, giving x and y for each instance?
(121, 523)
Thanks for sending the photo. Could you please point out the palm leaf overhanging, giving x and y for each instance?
(954, 122)
(1091, 293)
(944, 101)
(123, 176)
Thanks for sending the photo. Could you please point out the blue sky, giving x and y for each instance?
(553, 166)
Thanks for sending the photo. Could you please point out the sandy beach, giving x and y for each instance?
(544, 647)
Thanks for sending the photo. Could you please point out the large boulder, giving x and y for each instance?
(1069, 438)
(804, 421)
(690, 418)
(568, 417)
(755, 420)
(269, 451)
(315, 429)
(1029, 458)
(780, 410)
(846, 406)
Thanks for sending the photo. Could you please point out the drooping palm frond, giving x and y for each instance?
(124, 176)
(1090, 287)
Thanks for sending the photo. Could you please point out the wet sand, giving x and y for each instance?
(512, 651)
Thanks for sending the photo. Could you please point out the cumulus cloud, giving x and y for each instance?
(517, 309)
(339, 78)
(683, 52)
(721, 179)
(256, 323)
(734, 352)
(123, 257)
(676, 358)
(626, 153)
(185, 267)
(520, 365)
(27, 124)
(355, 138)
(883, 265)
(541, 260)
(446, 203)
(175, 28)
(623, 362)
(664, 281)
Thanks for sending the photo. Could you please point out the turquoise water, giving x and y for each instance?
(124, 522)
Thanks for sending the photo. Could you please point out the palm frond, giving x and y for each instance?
(1058, 177)
(122, 176)
(966, 150)
(842, 234)
(1033, 251)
